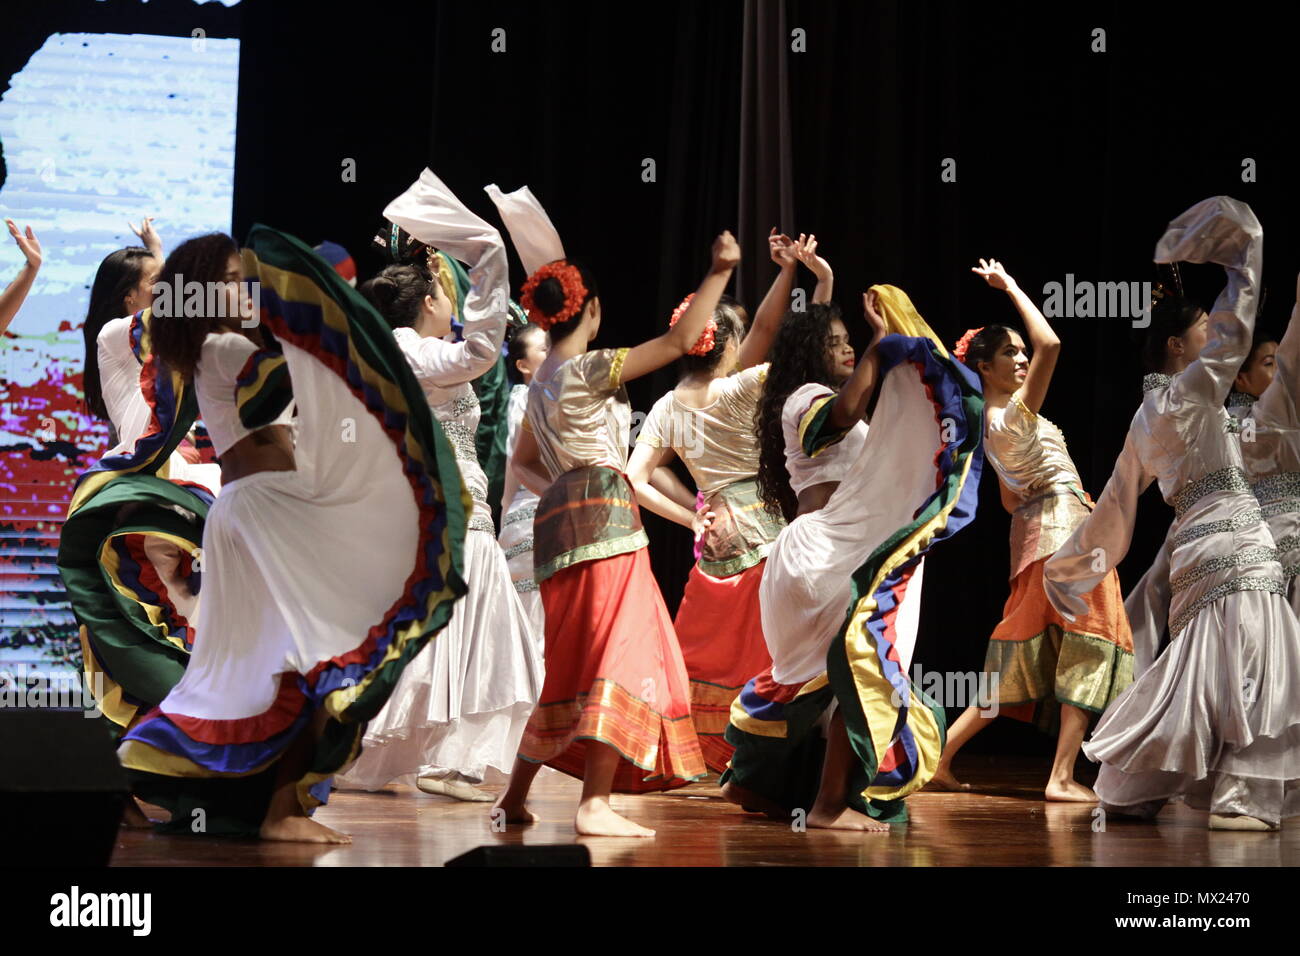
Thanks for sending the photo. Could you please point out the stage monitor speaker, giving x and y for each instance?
(569, 854)
(62, 788)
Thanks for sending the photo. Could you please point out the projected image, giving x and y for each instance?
(98, 131)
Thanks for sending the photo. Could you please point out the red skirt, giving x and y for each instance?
(720, 628)
(614, 674)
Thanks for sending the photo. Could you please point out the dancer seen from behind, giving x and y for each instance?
(615, 710)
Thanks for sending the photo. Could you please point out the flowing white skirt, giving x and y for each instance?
(806, 586)
(298, 565)
(1214, 720)
(461, 705)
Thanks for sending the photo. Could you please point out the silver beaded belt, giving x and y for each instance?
(1225, 479)
(1244, 520)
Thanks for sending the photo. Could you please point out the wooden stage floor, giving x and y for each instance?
(1005, 823)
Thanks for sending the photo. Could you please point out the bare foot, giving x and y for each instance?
(597, 818)
(133, 817)
(752, 802)
(511, 813)
(297, 829)
(945, 782)
(454, 786)
(846, 819)
(1071, 791)
(1236, 821)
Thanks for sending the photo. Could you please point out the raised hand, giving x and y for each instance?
(806, 250)
(28, 243)
(726, 252)
(148, 237)
(781, 248)
(992, 272)
(871, 307)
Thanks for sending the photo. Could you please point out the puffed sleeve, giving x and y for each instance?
(1012, 432)
(807, 413)
(601, 370)
(1223, 231)
(1100, 543)
(656, 431)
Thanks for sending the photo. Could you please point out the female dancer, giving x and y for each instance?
(1046, 670)
(708, 421)
(864, 506)
(528, 349)
(461, 707)
(615, 709)
(15, 293)
(1216, 718)
(1266, 418)
(331, 556)
(130, 533)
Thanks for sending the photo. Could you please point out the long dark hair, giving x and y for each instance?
(1173, 315)
(177, 338)
(548, 297)
(798, 356)
(117, 275)
(727, 319)
(397, 293)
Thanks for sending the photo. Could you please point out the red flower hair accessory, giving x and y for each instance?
(963, 344)
(704, 344)
(575, 293)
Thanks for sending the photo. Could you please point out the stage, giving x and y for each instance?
(1005, 822)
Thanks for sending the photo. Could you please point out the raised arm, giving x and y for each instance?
(1100, 543)
(148, 237)
(1223, 231)
(11, 300)
(673, 344)
(806, 250)
(1043, 342)
(430, 212)
(855, 395)
(1277, 407)
(767, 320)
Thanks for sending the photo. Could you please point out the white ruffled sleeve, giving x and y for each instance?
(430, 212)
(1222, 231)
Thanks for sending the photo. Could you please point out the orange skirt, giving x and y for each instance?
(1042, 660)
(720, 628)
(614, 674)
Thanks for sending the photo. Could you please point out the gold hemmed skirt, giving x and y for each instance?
(1042, 660)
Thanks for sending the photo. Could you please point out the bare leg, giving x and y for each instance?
(970, 723)
(595, 816)
(511, 801)
(831, 811)
(1061, 785)
(285, 818)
